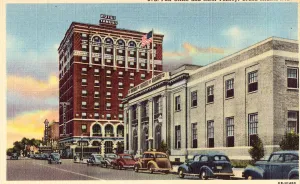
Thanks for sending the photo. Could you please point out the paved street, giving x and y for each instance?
(30, 169)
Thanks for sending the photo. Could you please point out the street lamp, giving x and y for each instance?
(81, 147)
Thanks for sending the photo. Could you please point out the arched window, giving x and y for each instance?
(108, 130)
(97, 129)
(120, 131)
(96, 143)
(157, 137)
(96, 39)
(108, 41)
(120, 42)
(131, 44)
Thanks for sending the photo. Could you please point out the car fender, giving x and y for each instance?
(255, 172)
(153, 163)
(139, 164)
(184, 167)
(208, 170)
(293, 172)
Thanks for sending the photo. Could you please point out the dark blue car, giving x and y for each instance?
(280, 165)
(207, 165)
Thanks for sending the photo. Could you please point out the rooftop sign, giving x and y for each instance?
(108, 19)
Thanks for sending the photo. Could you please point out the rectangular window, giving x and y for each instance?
(83, 58)
(194, 135)
(292, 77)
(108, 83)
(108, 61)
(96, 48)
(252, 128)
(83, 35)
(229, 88)
(210, 94)
(120, 116)
(83, 115)
(194, 99)
(120, 84)
(230, 132)
(131, 75)
(177, 103)
(84, 93)
(108, 94)
(120, 51)
(177, 137)
(83, 128)
(210, 134)
(108, 116)
(83, 105)
(108, 72)
(121, 74)
(97, 83)
(84, 71)
(131, 84)
(293, 122)
(120, 62)
(143, 76)
(120, 95)
(96, 71)
(121, 106)
(96, 115)
(96, 60)
(131, 63)
(83, 82)
(108, 106)
(96, 105)
(96, 94)
(252, 81)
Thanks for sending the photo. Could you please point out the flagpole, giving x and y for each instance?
(152, 53)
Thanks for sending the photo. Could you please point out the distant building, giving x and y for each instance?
(223, 106)
(98, 64)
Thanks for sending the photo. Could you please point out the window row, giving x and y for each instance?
(97, 105)
(97, 116)
(109, 73)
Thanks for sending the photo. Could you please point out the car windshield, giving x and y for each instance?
(111, 156)
(56, 155)
(220, 157)
(127, 157)
(98, 157)
(161, 156)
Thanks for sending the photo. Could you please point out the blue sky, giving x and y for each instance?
(194, 33)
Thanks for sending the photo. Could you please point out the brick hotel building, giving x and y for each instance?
(98, 64)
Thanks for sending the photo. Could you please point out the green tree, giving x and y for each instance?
(290, 141)
(163, 147)
(9, 151)
(257, 150)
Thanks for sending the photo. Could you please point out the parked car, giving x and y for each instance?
(207, 165)
(154, 162)
(95, 159)
(37, 156)
(54, 158)
(108, 158)
(44, 156)
(14, 156)
(125, 161)
(280, 165)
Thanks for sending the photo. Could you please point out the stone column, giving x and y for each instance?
(102, 57)
(164, 117)
(102, 148)
(130, 129)
(151, 118)
(139, 116)
(125, 127)
(126, 58)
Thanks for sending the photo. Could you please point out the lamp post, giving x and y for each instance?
(81, 146)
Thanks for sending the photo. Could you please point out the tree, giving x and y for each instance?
(9, 151)
(290, 141)
(257, 150)
(163, 147)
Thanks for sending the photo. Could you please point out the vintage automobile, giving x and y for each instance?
(14, 156)
(54, 158)
(280, 165)
(125, 161)
(108, 158)
(207, 165)
(154, 162)
(95, 159)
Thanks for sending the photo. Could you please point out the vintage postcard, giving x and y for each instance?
(151, 90)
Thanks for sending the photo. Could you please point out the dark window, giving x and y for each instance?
(194, 98)
(177, 103)
(276, 158)
(210, 133)
(292, 77)
(230, 132)
(291, 158)
(252, 81)
(210, 94)
(204, 158)
(194, 135)
(229, 88)
(293, 122)
(83, 128)
(253, 121)
(177, 137)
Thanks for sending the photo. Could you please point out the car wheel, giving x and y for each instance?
(294, 177)
(120, 167)
(226, 177)
(180, 173)
(202, 175)
(249, 177)
(166, 172)
(136, 168)
(151, 168)
(105, 165)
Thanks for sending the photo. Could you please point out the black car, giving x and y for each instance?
(14, 156)
(54, 158)
(207, 165)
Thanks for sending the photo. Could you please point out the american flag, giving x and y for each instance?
(147, 38)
